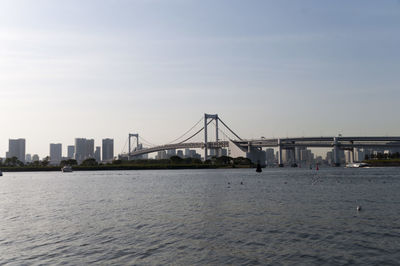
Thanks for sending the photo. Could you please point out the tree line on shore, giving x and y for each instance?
(223, 161)
(382, 156)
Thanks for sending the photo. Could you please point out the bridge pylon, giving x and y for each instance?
(206, 117)
(136, 135)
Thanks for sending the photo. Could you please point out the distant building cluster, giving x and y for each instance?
(358, 154)
(187, 153)
(82, 150)
(304, 156)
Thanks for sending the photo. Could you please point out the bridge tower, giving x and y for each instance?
(136, 135)
(206, 117)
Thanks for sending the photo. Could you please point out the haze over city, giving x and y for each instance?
(102, 69)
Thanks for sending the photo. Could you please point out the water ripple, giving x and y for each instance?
(278, 217)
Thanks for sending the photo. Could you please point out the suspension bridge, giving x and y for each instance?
(251, 147)
(217, 145)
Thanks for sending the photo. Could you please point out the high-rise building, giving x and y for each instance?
(80, 149)
(359, 155)
(28, 158)
(339, 155)
(97, 154)
(212, 153)
(16, 148)
(108, 150)
(287, 155)
(192, 154)
(270, 156)
(84, 149)
(161, 155)
(224, 152)
(90, 148)
(35, 158)
(55, 153)
(180, 153)
(348, 155)
(70, 151)
(306, 156)
(187, 153)
(171, 153)
(329, 157)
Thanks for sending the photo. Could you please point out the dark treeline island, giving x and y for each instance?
(175, 162)
(383, 159)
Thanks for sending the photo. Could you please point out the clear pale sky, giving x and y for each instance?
(280, 68)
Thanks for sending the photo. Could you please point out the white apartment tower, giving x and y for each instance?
(108, 150)
(16, 148)
(84, 149)
(70, 151)
(97, 154)
(55, 153)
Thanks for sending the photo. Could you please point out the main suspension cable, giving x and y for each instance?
(195, 133)
(148, 142)
(229, 129)
(187, 132)
(126, 142)
(223, 132)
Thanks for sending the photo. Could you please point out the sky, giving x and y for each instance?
(273, 68)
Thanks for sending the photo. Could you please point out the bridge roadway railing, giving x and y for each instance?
(189, 145)
(323, 142)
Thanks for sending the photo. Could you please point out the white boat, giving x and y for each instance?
(356, 165)
(66, 169)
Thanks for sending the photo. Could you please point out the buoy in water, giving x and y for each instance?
(358, 208)
(258, 170)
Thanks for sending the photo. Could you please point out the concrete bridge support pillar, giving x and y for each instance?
(294, 157)
(280, 162)
(352, 153)
(336, 159)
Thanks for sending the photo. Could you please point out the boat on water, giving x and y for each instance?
(66, 169)
(356, 165)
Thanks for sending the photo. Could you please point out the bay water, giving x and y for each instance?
(201, 217)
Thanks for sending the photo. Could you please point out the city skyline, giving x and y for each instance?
(98, 69)
(290, 155)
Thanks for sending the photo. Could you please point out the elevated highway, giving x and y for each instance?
(336, 143)
(323, 142)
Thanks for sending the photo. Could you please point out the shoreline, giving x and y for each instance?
(122, 167)
(372, 163)
(383, 163)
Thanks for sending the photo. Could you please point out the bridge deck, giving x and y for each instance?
(311, 142)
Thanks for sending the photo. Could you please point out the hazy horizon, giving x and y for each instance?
(103, 69)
